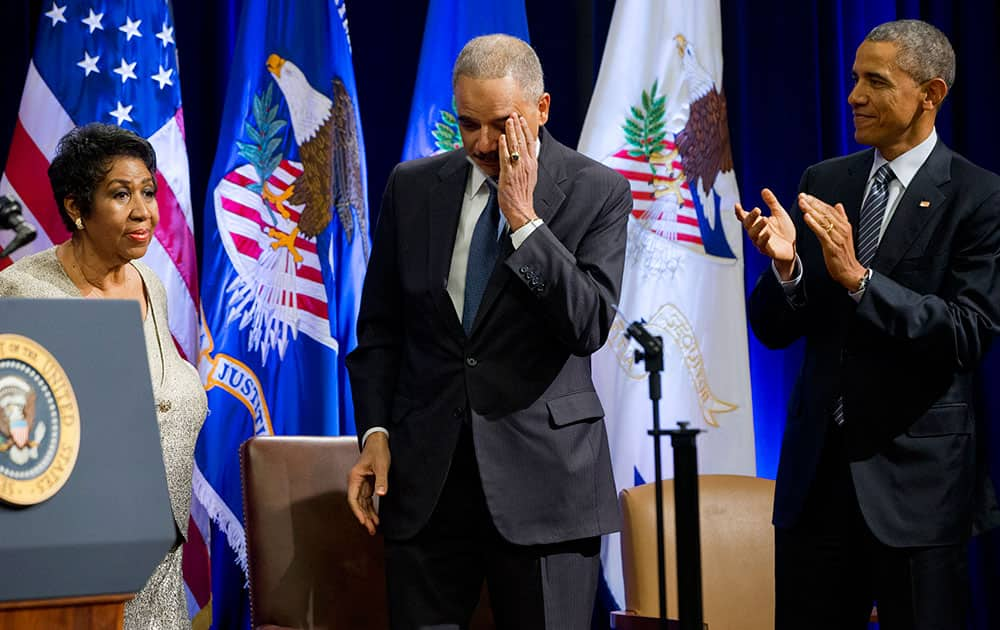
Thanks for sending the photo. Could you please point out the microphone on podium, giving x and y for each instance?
(11, 219)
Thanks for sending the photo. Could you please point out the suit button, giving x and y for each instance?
(523, 269)
(471, 361)
(458, 411)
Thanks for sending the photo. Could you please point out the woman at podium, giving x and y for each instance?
(103, 179)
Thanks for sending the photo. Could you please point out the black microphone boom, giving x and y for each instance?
(11, 219)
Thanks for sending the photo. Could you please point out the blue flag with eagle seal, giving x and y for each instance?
(286, 245)
(433, 126)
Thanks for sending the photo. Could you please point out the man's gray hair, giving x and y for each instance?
(924, 52)
(497, 56)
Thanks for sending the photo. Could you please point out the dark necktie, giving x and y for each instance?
(872, 212)
(483, 251)
(869, 226)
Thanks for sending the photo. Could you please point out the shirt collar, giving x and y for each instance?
(905, 166)
(477, 178)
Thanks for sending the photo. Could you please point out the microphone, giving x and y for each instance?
(11, 219)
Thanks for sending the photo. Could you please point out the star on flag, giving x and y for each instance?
(56, 14)
(130, 28)
(166, 35)
(89, 64)
(126, 70)
(94, 21)
(163, 77)
(122, 113)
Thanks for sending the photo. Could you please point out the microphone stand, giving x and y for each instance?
(685, 492)
(11, 219)
(652, 355)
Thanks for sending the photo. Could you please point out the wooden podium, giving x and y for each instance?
(73, 559)
(98, 611)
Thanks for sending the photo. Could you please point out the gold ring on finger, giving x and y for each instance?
(829, 227)
(514, 157)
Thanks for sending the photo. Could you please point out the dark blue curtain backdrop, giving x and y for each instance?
(787, 75)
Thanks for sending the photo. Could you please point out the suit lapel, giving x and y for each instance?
(444, 208)
(920, 202)
(551, 172)
(547, 198)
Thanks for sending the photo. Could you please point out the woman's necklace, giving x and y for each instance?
(78, 265)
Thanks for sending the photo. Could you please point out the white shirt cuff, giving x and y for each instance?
(518, 236)
(364, 438)
(791, 284)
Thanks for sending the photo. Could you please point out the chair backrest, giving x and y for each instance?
(311, 564)
(737, 551)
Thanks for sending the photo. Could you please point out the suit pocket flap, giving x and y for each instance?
(948, 419)
(575, 407)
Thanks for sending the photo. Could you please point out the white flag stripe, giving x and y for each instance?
(181, 309)
(41, 114)
(284, 177)
(172, 162)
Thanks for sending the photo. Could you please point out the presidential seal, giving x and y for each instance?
(39, 422)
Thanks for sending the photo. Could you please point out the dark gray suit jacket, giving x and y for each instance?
(522, 375)
(903, 358)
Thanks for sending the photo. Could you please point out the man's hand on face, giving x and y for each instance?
(518, 175)
(836, 237)
(773, 236)
(367, 478)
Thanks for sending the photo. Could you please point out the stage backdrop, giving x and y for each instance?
(786, 79)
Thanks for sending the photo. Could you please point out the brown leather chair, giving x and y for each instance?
(311, 563)
(737, 551)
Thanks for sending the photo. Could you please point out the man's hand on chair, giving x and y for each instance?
(369, 477)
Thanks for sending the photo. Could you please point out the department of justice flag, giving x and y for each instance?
(286, 242)
(658, 117)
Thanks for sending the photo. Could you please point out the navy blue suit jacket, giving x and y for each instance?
(903, 358)
(522, 376)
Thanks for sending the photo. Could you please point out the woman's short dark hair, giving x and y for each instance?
(84, 158)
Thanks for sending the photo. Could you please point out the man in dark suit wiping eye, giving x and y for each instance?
(890, 270)
(491, 282)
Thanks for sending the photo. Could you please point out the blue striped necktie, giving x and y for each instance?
(869, 226)
(483, 251)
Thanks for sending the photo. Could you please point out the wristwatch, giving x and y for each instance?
(863, 282)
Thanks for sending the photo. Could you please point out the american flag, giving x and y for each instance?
(112, 62)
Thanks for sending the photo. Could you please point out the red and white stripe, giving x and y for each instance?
(244, 223)
(42, 121)
(681, 224)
